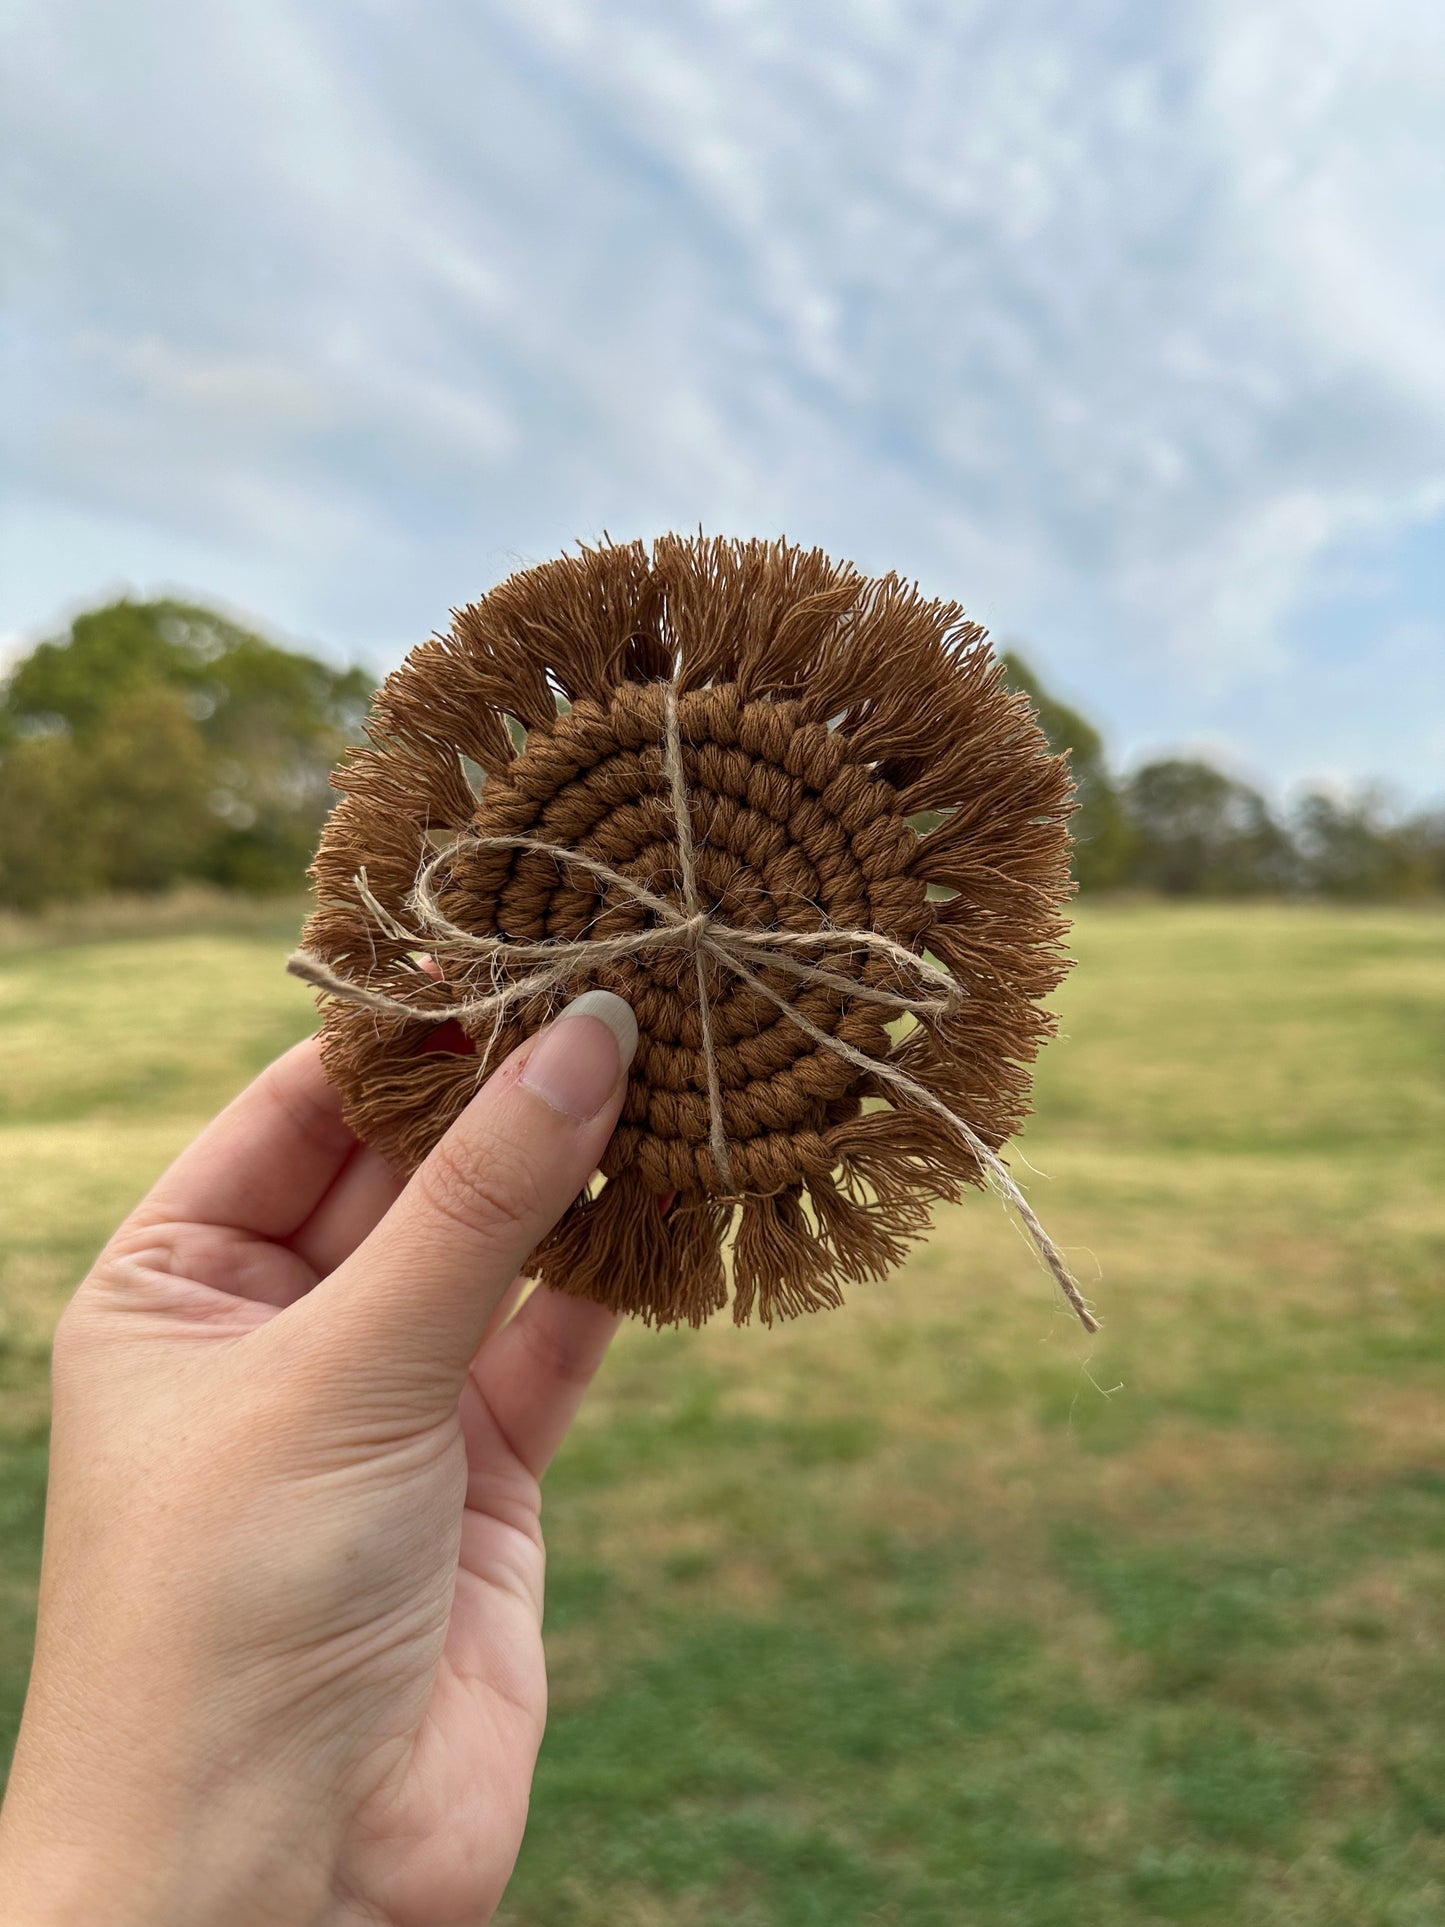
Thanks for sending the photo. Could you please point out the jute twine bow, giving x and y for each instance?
(553, 964)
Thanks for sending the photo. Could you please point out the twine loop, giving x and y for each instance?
(924, 991)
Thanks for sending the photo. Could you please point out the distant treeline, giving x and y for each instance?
(158, 742)
(1183, 828)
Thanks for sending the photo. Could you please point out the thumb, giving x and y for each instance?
(411, 1304)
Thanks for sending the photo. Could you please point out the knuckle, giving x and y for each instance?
(309, 1115)
(495, 1196)
(556, 1355)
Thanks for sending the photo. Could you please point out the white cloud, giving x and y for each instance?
(209, 392)
(1151, 315)
(1123, 325)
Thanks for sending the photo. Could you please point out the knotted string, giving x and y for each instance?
(691, 927)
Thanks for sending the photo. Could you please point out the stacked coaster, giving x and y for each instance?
(796, 818)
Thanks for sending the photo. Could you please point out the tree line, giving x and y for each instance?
(160, 742)
(1181, 827)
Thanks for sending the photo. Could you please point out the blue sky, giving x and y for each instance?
(1123, 324)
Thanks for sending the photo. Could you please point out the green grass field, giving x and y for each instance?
(933, 1611)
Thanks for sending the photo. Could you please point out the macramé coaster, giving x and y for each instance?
(797, 819)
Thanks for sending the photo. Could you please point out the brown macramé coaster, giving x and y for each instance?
(747, 789)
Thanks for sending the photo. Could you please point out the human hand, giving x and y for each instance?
(289, 1664)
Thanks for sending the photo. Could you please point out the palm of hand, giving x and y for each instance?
(362, 1540)
(430, 1646)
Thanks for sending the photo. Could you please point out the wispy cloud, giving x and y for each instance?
(1121, 323)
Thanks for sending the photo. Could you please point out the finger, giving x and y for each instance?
(533, 1375)
(411, 1305)
(507, 1305)
(366, 1188)
(263, 1164)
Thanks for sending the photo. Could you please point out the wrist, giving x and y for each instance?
(41, 1892)
(190, 1890)
(162, 1813)
(232, 1866)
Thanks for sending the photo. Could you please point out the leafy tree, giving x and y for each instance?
(1427, 833)
(1350, 847)
(1101, 828)
(1197, 831)
(277, 727)
(196, 748)
(74, 681)
(146, 777)
(44, 848)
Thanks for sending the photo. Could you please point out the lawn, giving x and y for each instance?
(933, 1610)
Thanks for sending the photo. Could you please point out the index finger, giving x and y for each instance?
(263, 1164)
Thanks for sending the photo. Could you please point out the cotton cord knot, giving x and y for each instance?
(519, 971)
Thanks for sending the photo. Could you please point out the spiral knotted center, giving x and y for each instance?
(722, 869)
